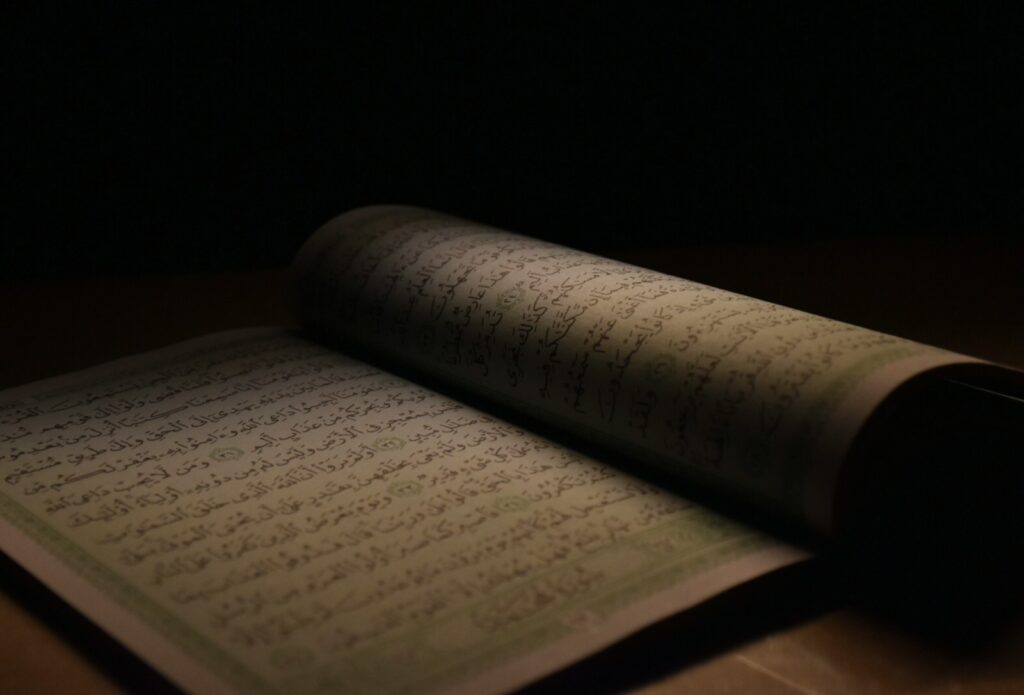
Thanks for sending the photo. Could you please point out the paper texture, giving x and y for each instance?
(252, 511)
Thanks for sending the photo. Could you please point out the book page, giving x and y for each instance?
(757, 400)
(252, 512)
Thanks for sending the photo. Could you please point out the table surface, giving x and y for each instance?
(966, 295)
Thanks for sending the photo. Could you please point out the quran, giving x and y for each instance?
(481, 458)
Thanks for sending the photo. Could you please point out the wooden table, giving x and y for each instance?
(967, 295)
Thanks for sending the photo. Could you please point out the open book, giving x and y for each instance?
(483, 458)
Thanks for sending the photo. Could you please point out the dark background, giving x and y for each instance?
(143, 138)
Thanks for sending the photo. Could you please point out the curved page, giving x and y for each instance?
(758, 400)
